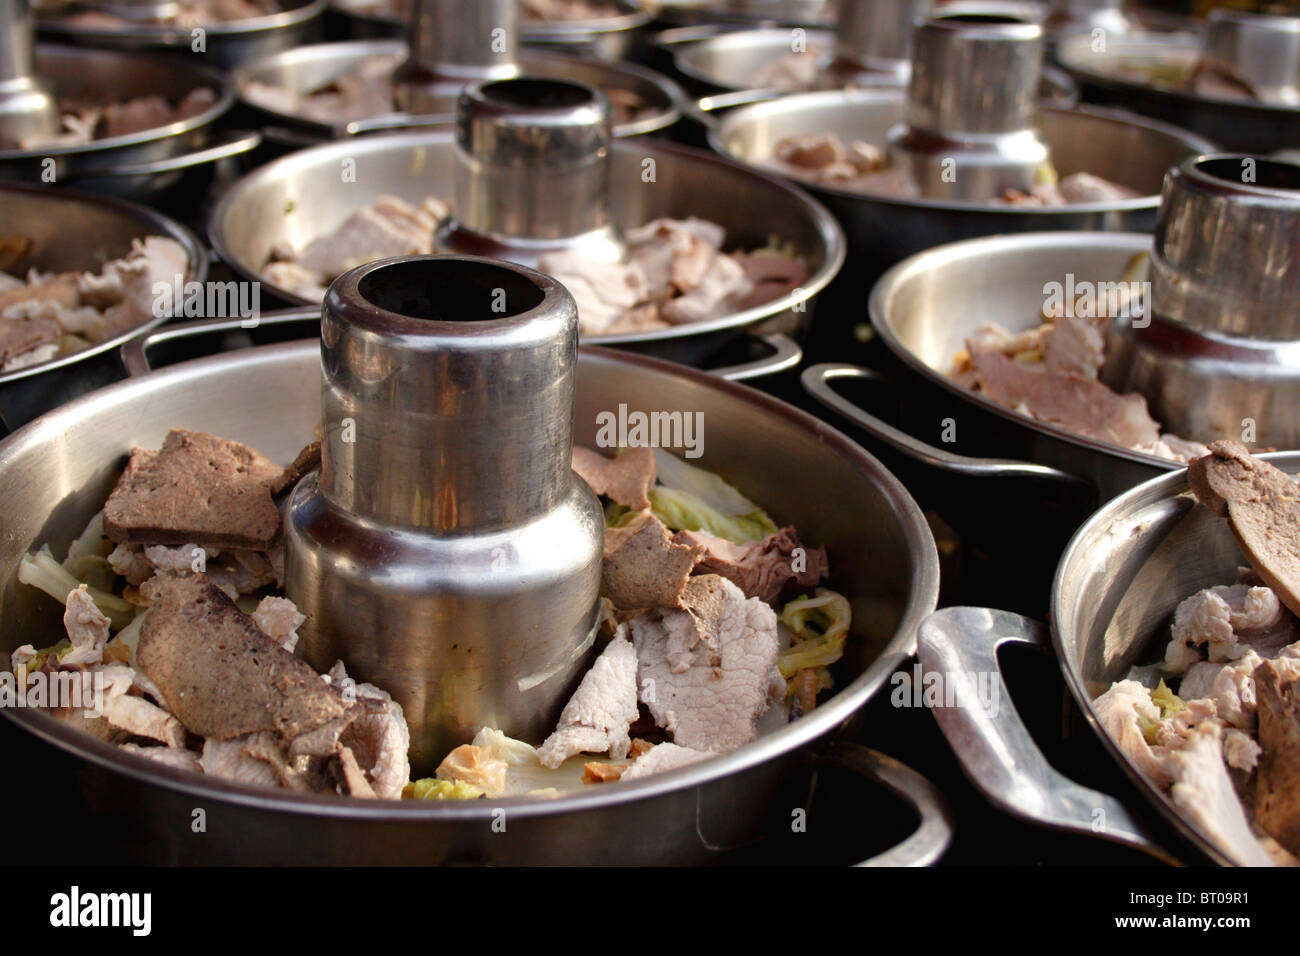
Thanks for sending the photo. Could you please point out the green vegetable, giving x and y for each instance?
(40, 570)
(1149, 728)
(819, 626)
(1168, 702)
(703, 485)
(428, 788)
(683, 511)
(617, 515)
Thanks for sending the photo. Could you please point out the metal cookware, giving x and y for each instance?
(1115, 589)
(61, 231)
(27, 107)
(491, 618)
(883, 557)
(309, 68)
(297, 198)
(615, 37)
(224, 45)
(138, 162)
(1220, 350)
(819, 13)
(883, 230)
(1146, 74)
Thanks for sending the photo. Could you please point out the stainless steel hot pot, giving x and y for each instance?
(297, 198)
(65, 232)
(57, 471)
(1115, 590)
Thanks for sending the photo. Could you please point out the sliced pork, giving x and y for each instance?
(597, 716)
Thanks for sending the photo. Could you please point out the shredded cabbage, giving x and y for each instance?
(684, 511)
(512, 751)
(1168, 702)
(428, 788)
(40, 570)
(819, 625)
(703, 485)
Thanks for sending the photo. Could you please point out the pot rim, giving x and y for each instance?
(165, 225)
(831, 236)
(163, 33)
(822, 721)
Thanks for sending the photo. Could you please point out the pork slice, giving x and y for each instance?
(761, 569)
(167, 756)
(279, 619)
(706, 673)
(1082, 405)
(1230, 686)
(770, 274)
(230, 760)
(239, 571)
(136, 115)
(1120, 711)
(1229, 621)
(55, 288)
(626, 477)
(1203, 791)
(198, 489)
(87, 629)
(1074, 346)
(603, 291)
(1262, 505)
(363, 237)
(354, 778)
(1277, 790)
(307, 461)
(378, 738)
(720, 288)
(649, 568)
(810, 150)
(597, 716)
(152, 261)
(641, 318)
(661, 758)
(1085, 187)
(19, 337)
(138, 717)
(219, 674)
(298, 279)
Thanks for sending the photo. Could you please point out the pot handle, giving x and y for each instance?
(817, 380)
(995, 750)
(134, 353)
(934, 835)
(786, 354)
(233, 144)
(702, 110)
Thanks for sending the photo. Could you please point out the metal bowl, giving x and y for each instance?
(605, 38)
(55, 473)
(882, 230)
(226, 45)
(68, 232)
(819, 13)
(1246, 125)
(311, 67)
(297, 198)
(97, 74)
(1116, 587)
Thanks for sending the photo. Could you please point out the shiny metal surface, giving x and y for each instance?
(471, 601)
(27, 108)
(451, 43)
(925, 308)
(532, 172)
(60, 231)
(815, 13)
(222, 45)
(105, 75)
(295, 199)
(1219, 355)
(309, 68)
(1261, 49)
(1239, 124)
(876, 34)
(1065, 17)
(56, 473)
(605, 38)
(969, 127)
(881, 230)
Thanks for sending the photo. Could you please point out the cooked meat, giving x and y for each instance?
(231, 761)
(1121, 711)
(87, 629)
(1085, 187)
(239, 571)
(1277, 791)
(789, 71)
(197, 488)
(626, 478)
(20, 337)
(475, 765)
(1240, 750)
(1229, 621)
(597, 716)
(1230, 686)
(1203, 791)
(354, 780)
(1073, 345)
(168, 756)
(387, 227)
(1262, 506)
(138, 717)
(771, 275)
(761, 569)
(603, 291)
(708, 672)
(718, 290)
(1082, 405)
(597, 772)
(59, 289)
(279, 619)
(219, 673)
(308, 460)
(378, 737)
(662, 758)
(648, 569)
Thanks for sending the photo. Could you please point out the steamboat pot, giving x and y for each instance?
(296, 198)
(1115, 590)
(883, 556)
(62, 231)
